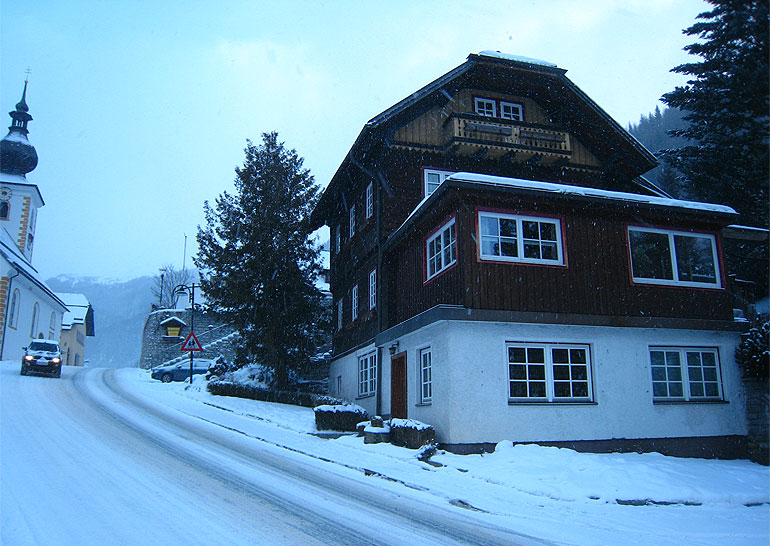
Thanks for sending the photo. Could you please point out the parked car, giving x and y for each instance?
(42, 356)
(181, 370)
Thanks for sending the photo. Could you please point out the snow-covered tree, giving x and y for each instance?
(754, 353)
(258, 263)
(726, 103)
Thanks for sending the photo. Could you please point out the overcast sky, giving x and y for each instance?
(142, 109)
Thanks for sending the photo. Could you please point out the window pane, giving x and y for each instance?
(536, 371)
(530, 230)
(561, 372)
(561, 390)
(547, 231)
(674, 374)
(658, 374)
(517, 354)
(696, 389)
(536, 354)
(489, 226)
(696, 374)
(659, 389)
(560, 356)
(490, 247)
(577, 356)
(537, 390)
(579, 372)
(509, 248)
(650, 255)
(507, 227)
(695, 259)
(657, 358)
(531, 250)
(549, 251)
(518, 390)
(712, 389)
(580, 389)
(518, 371)
(709, 359)
(675, 390)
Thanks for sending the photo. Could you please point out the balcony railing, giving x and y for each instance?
(469, 128)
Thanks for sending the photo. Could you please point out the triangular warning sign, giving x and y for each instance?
(191, 344)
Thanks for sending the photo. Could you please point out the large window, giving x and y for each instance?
(441, 249)
(549, 372)
(367, 374)
(673, 257)
(514, 238)
(684, 373)
(426, 376)
(433, 179)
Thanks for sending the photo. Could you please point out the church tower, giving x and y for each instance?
(19, 200)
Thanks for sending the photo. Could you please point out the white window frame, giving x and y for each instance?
(445, 252)
(354, 303)
(339, 314)
(367, 374)
(516, 111)
(551, 378)
(370, 200)
(372, 289)
(432, 179)
(482, 105)
(681, 375)
(425, 371)
(675, 273)
(352, 221)
(520, 241)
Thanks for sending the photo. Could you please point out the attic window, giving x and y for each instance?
(484, 107)
(433, 178)
(510, 110)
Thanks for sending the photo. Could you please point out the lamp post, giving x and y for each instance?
(180, 289)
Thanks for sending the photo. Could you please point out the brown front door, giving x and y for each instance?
(398, 386)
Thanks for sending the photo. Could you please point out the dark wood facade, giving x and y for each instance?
(561, 137)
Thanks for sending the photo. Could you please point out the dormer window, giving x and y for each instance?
(485, 107)
(433, 178)
(510, 110)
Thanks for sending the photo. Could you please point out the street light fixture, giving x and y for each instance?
(181, 289)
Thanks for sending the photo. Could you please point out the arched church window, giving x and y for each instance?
(13, 312)
(35, 319)
(52, 325)
(5, 210)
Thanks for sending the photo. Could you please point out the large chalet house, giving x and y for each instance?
(501, 271)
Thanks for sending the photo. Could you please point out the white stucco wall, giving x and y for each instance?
(470, 385)
(343, 380)
(19, 336)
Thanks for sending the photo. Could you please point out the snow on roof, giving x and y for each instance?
(173, 319)
(77, 305)
(516, 58)
(551, 187)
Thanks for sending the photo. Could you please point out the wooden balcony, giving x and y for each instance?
(472, 132)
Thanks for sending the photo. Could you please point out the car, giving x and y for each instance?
(42, 356)
(181, 370)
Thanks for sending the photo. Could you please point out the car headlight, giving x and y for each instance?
(29, 358)
(56, 360)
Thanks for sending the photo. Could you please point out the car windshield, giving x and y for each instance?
(44, 346)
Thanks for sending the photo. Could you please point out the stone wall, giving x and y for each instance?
(215, 337)
(758, 416)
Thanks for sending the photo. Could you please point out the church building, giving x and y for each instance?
(28, 308)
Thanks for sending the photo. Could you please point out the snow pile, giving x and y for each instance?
(252, 375)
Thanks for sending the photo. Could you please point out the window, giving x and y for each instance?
(354, 299)
(526, 239)
(426, 376)
(510, 110)
(685, 374)
(338, 240)
(5, 210)
(370, 200)
(367, 374)
(484, 107)
(372, 289)
(549, 372)
(433, 179)
(35, 318)
(339, 315)
(673, 257)
(339, 385)
(52, 323)
(441, 249)
(352, 220)
(14, 311)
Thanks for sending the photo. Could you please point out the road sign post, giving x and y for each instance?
(191, 343)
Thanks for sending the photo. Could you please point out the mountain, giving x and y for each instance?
(120, 309)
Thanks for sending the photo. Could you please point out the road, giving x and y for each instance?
(84, 461)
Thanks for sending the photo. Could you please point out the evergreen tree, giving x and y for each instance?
(726, 106)
(257, 262)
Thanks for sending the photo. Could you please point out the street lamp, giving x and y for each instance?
(180, 289)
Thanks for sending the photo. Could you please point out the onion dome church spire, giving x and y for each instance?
(17, 155)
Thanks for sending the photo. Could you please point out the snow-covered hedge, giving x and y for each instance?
(342, 417)
(754, 353)
(304, 399)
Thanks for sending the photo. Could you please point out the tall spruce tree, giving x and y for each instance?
(727, 104)
(257, 262)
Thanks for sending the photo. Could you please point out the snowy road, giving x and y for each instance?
(84, 461)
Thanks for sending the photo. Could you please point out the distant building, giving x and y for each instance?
(77, 324)
(28, 308)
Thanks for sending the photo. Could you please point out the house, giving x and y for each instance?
(77, 324)
(501, 270)
(28, 308)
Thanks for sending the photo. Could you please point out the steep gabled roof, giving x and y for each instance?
(579, 113)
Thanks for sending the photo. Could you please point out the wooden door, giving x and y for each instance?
(398, 386)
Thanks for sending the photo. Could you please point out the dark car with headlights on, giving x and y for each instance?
(181, 371)
(42, 356)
